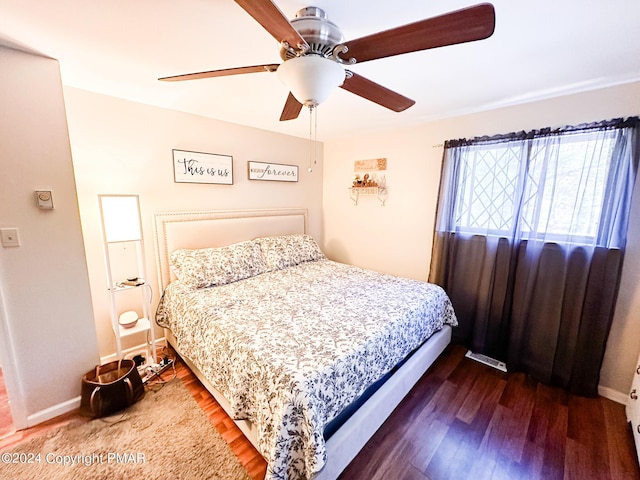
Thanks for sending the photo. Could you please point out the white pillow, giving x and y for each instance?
(288, 250)
(208, 267)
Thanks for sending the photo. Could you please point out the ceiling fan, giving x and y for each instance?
(315, 53)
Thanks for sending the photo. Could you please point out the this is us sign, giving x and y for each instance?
(197, 167)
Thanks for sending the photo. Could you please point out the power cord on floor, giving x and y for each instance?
(155, 377)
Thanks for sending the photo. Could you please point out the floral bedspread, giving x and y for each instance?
(291, 348)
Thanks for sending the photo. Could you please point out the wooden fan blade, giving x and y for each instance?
(466, 25)
(291, 108)
(271, 67)
(376, 93)
(267, 14)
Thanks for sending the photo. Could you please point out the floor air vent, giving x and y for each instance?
(492, 362)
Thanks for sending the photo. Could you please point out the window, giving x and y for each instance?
(552, 186)
(486, 199)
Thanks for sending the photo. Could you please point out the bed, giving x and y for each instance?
(307, 355)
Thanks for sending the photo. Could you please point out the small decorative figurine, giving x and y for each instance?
(366, 181)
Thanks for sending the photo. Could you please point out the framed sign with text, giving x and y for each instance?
(197, 167)
(272, 171)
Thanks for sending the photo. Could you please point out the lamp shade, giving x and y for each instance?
(120, 217)
(311, 78)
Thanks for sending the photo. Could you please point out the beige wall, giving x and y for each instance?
(124, 147)
(397, 238)
(45, 306)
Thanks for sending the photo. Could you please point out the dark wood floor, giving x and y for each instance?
(464, 420)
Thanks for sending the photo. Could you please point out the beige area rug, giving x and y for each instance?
(163, 436)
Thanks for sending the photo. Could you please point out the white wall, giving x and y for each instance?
(397, 238)
(45, 303)
(124, 147)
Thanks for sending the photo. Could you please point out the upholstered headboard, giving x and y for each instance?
(175, 230)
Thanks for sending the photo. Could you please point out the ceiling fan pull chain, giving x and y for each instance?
(315, 136)
(310, 138)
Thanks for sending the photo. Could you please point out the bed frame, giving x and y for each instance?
(219, 228)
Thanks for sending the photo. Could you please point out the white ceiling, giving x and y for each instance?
(540, 49)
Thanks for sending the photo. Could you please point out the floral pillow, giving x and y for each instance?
(288, 250)
(208, 267)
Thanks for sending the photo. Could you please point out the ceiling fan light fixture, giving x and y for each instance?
(311, 78)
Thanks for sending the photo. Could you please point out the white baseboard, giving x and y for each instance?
(612, 394)
(53, 411)
(74, 403)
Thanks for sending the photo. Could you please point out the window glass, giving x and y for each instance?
(540, 187)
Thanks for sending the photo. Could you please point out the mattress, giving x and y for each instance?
(291, 348)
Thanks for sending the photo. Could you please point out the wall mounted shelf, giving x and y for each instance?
(356, 192)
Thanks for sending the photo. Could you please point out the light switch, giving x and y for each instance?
(9, 237)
